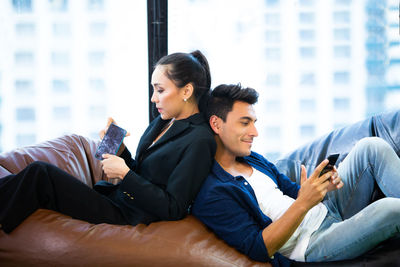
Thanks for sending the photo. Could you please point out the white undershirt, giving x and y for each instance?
(274, 204)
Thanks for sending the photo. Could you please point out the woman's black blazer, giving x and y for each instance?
(165, 177)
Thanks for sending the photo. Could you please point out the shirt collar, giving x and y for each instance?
(225, 176)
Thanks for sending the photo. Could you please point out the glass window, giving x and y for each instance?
(61, 29)
(307, 52)
(342, 104)
(273, 36)
(97, 112)
(273, 132)
(306, 3)
(62, 113)
(341, 34)
(58, 5)
(272, 2)
(274, 79)
(273, 53)
(60, 86)
(342, 51)
(307, 79)
(307, 35)
(96, 58)
(272, 19)
(60, 58)
(25, 114)
(343, 2)
(25, 29)
(25, 139)
(341, 17)
(308, 105)
(97, 28)
(22, 6)
(48, 49)
(23, 58)
(95, 5)
(97, 84)
(306, 17)
(307, 131)
(24, 86)
(273, 105)
(341, 77)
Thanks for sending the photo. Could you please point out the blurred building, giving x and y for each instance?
(392, 99)
(318, 65)
(65, 65)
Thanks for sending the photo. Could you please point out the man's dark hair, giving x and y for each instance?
(225, 95)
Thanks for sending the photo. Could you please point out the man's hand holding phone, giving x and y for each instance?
(335, 180)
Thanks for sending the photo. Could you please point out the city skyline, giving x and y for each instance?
(68, 65)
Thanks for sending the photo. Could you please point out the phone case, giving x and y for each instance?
(111, 142)
(332, 160)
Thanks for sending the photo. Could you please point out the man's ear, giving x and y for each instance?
(215, 123)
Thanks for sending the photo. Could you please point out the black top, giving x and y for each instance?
(165, 177)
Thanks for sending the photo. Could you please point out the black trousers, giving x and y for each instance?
(42, 185)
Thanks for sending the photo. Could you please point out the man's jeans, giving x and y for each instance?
(353, 225)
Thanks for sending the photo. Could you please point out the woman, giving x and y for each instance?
(172, 159)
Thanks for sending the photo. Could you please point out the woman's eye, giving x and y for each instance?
(245, 123)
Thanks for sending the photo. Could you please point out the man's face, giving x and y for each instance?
(238, 131)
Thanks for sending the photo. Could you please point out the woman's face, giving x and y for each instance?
(166, 95)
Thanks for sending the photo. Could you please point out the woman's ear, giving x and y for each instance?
(187, 91)
(215, 124)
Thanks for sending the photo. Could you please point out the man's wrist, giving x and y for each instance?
(301, 206)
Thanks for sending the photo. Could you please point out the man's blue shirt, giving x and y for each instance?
(228, 206)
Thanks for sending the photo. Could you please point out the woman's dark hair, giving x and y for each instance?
(184, 68)
(225, 95)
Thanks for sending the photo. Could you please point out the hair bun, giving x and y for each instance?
(203, 61)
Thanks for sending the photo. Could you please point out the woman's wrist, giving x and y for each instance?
(124, 172)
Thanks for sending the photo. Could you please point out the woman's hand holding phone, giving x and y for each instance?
(114, 166)
(102, 133)
(109, 121)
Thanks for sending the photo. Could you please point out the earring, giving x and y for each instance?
(185, 99)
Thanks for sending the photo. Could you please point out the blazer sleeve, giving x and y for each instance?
(173, 201)
(129, 161)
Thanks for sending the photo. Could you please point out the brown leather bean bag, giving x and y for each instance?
(48, 238)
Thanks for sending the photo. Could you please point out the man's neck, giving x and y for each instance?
(229, 163)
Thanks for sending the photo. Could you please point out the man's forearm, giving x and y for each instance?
(277, 233)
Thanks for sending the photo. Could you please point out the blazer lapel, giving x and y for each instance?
(151, 133)
(155, 128)
(176, 129)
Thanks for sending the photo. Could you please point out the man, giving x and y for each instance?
(263, 214)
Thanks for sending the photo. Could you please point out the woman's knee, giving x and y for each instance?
(38, 169)
(39, 164)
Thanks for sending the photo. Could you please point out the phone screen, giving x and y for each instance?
(332, 160)
(111, 142)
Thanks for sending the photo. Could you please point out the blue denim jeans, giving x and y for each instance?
(353, 225)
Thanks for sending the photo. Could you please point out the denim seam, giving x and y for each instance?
(369, 165)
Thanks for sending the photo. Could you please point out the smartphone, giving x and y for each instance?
(332, 160)
(111, 142)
